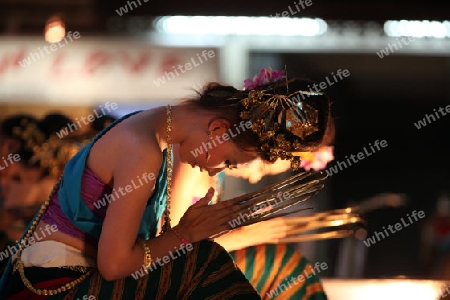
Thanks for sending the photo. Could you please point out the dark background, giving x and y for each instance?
(381, 99)
(25, 17)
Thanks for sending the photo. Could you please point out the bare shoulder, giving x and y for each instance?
(125, 148)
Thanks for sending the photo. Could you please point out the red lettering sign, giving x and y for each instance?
(11, 60)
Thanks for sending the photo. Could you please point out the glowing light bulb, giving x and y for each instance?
(55, 30)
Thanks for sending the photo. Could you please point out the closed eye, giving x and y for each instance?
(229, 165)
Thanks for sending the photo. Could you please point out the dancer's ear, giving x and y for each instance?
(218, 126)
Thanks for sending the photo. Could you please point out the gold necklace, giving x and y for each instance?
(166, 227)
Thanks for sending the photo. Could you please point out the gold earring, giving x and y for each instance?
(208, 154)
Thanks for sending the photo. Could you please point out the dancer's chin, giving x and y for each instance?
(212, 173)
(195, 164)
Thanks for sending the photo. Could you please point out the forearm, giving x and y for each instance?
(231, 241)
(163, 249)
(267, 232)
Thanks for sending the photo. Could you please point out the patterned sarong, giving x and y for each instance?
(279, 272)
(206, 272)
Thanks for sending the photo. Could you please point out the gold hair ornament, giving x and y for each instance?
(54, 153)
(272, 113)
(30, 134)
(51, 154)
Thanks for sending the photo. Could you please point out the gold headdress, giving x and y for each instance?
(273, 114)
(29, 133)
(54, 153)
(50, 154)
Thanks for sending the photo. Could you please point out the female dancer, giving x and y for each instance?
(266, 263)
(107, 224)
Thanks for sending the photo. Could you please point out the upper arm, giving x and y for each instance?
(128, 202)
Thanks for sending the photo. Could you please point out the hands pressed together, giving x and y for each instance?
(202, 221)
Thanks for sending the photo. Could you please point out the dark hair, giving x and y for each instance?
(226, 102)
(7, 125)
(101, 123)
(54, 122)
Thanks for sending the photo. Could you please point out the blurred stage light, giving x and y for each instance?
(386, 289)
(55, 30)
(200, 25)
(417, 29)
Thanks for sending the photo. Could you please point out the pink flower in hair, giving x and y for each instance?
(265, 76)
(317, 160)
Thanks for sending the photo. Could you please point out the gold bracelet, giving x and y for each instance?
(147, 254)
